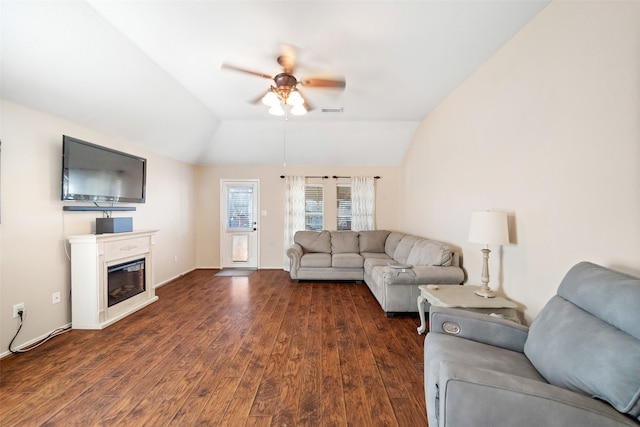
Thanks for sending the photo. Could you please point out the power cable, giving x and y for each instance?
(53, 333)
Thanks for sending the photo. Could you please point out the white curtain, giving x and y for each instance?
(363, 203)
(293, 211)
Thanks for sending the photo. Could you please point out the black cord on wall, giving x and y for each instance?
(37, 344)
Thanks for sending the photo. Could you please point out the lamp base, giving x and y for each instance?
(485, 292)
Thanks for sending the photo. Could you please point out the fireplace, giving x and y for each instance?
(125, 281)
(111, 277)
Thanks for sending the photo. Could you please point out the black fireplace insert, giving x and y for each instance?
(125, 281)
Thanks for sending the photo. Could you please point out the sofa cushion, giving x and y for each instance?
(373, 240)
(347, 260)
(404, 249)
(313, 241)
(344, 242)
(315, 260)
(575, 350)
(373, 261)
(429, 252)
(376, 255)
(391, 244)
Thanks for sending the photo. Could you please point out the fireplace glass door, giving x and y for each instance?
(125, 281)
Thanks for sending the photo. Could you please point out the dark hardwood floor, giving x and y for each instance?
(231, 351)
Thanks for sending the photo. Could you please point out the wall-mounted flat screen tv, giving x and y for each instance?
(91, 173)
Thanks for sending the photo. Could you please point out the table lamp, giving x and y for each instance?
(488, 228)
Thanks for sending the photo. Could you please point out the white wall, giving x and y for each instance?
(33, 230)
(548, 130)
(272, 191)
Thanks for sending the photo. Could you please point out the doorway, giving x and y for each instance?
(239, 228)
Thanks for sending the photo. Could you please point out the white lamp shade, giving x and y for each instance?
(276, 110)
(489, 228)
(295, 98)
(270, 99)
(298, 110)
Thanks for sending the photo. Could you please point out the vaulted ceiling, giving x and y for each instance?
(150, 72)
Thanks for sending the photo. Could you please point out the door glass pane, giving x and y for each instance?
(240, 207)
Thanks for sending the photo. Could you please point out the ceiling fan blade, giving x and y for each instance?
(307, 105)
(287, 58)
(226, 66)
(258, 100)
(318, 82)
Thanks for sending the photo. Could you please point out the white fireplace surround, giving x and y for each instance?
(91, 256)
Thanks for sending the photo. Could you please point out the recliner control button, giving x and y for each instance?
(451, 328)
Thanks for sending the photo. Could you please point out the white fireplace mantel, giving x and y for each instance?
(91, 256)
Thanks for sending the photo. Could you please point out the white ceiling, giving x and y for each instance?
(150, 71)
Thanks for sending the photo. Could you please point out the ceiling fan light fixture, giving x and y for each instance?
(271, 99)
(283, 92)
(276, 110)
(295, 98)
(298, 110)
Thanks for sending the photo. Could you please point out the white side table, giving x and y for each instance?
(463, 297)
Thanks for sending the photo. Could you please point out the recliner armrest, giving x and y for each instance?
(471, 397)
(478, 327)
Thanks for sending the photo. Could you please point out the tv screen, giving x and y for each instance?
(91, 173)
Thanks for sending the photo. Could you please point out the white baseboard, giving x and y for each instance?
(157, 285)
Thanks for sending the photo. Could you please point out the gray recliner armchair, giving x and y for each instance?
(577, 365)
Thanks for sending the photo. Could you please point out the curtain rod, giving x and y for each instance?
(336, 177)
(323, 177)
(326, 177)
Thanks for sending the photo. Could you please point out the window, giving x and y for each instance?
(313, 207)
(343, 197)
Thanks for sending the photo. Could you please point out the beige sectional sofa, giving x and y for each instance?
(392, 264)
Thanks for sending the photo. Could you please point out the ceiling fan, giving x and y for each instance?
(284, 90)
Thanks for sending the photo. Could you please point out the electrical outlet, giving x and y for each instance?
(175, 258)
(55, 298)
(17, 308)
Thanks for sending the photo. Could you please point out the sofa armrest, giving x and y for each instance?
(472, 397)
(478, 327)
(294, 253)
(422, 275)
(434, 275)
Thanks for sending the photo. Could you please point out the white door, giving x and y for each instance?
(239, 226)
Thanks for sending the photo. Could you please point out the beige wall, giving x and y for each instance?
(549, 131)
(33, 263)
(272, 201)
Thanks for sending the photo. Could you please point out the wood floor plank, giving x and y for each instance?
(218, 401)
(334, 411)
(255, 351)
(288, 401)
(355, 394)
(310, 403)
(380, 408)
(46, 404)
(87, 408)
(385, 362)
(273, 375)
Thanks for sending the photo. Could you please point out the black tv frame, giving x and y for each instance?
(97, 198)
